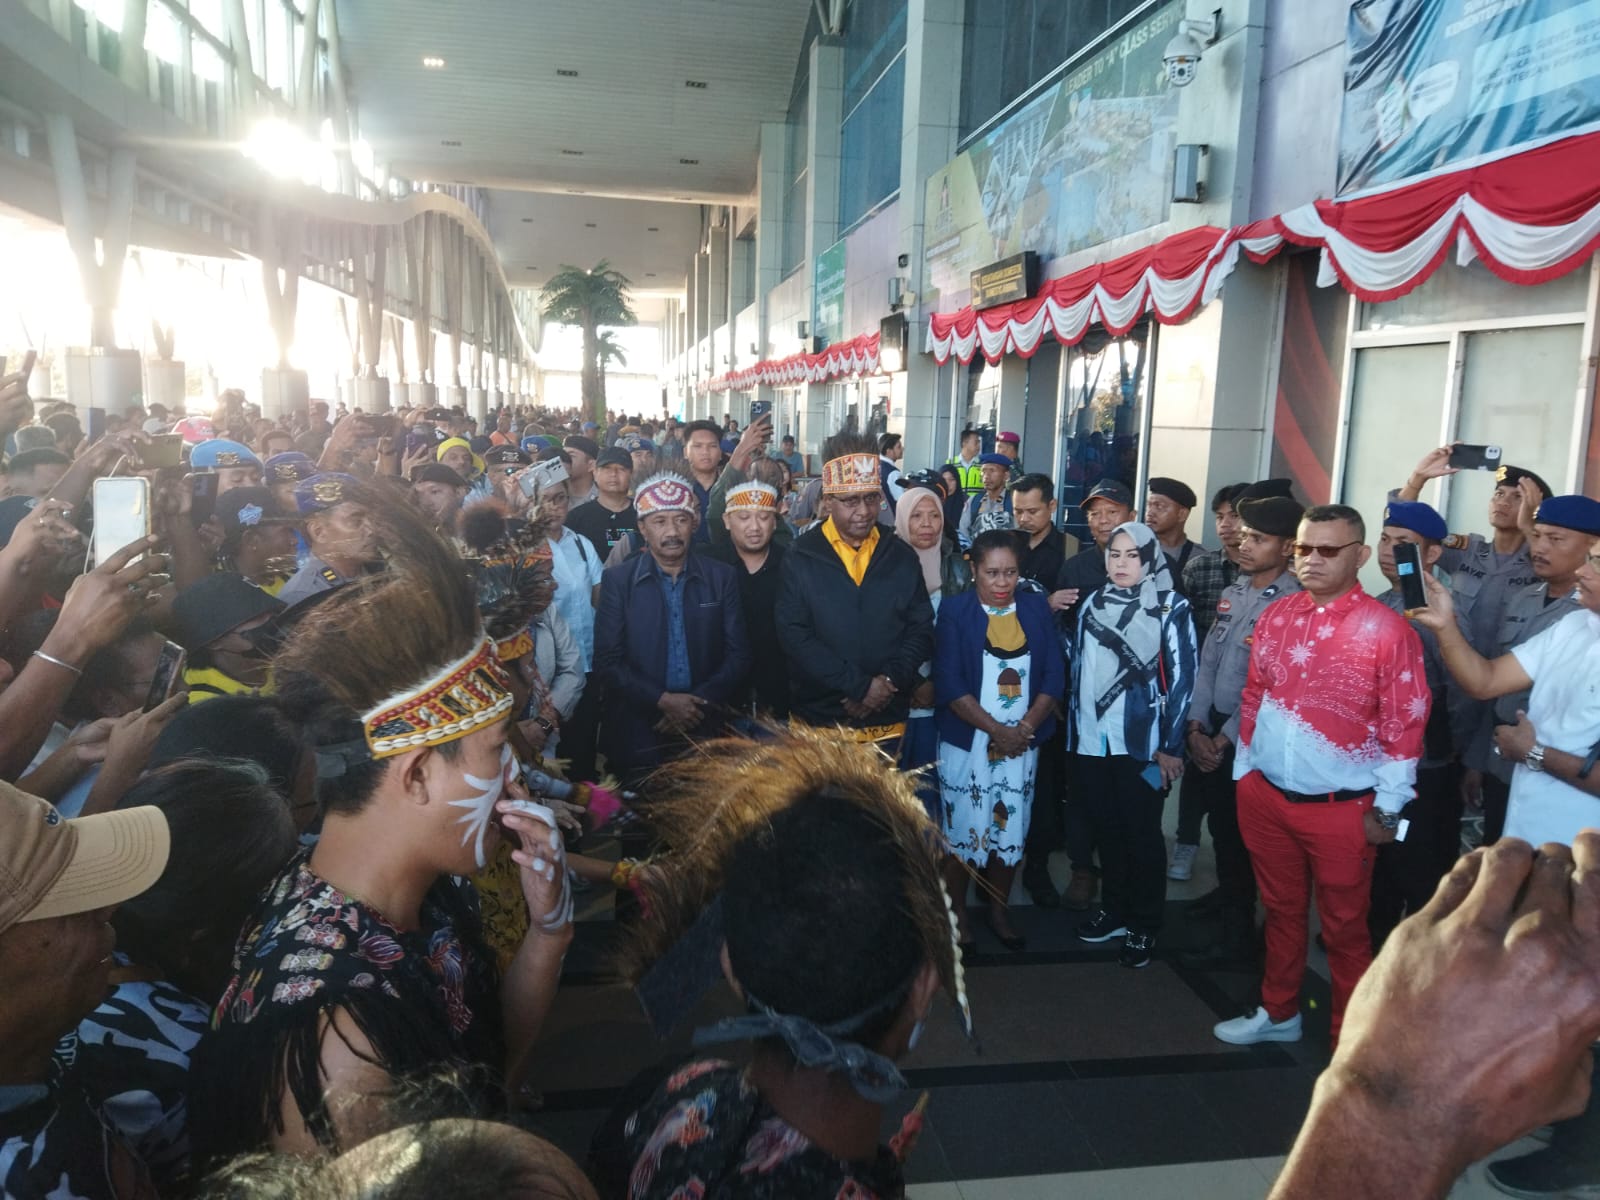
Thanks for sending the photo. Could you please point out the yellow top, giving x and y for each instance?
(855, 561)
(1005, 631)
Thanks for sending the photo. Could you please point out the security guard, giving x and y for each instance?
(966, 463)
(1563, 529)
(339, 531)
(1268, 527)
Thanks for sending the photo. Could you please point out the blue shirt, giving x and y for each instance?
(702, 497)
(678, 678)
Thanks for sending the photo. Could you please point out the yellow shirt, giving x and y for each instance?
(855, 560)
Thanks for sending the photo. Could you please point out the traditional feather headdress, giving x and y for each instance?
(704, 805)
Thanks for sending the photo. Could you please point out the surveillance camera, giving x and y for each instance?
(1182, 61)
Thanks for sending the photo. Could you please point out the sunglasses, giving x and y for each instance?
(1307, 549)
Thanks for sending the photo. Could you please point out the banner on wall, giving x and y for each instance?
(1087, 161)
(827, 294)
(1432, 84)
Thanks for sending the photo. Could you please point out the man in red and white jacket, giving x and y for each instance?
(1330, 732)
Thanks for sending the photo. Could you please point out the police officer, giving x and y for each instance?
(1267, 529)
(339, 532)
(1563, 528)
(1406, 872)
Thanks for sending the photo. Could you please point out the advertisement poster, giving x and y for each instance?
(827, 294)
(1434, 84)
(1087, 161)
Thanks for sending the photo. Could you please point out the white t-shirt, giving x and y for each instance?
(576, 567)
(1564, 706)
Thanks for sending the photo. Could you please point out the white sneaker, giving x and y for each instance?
(1257, 1027)
(1182, 865)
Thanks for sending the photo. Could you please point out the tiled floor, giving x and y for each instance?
(1093, 1081)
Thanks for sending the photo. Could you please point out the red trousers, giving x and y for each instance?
(1291, 847)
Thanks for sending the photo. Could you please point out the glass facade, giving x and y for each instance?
(1011, 45)
(874, 95)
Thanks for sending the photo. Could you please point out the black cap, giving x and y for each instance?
(248, 508)
(1173, 489)
(502, 456)
(1262, 489)
(588, 445)
(1276, 516)
(435, 472)
(210, 607)
(614, 456)
(1108, 489)
(1509, 476)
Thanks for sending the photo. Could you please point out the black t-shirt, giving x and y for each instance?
(601, 526)
(1042, 563)
(768, 683)
(1085, 570)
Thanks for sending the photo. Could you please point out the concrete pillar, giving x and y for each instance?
(931, 127)
(371, 395)
(824, 112)
(422, 395)
(284, 391)
(478, 404)
(1011, 412)
(771, 185)
(99, 268)
(106, 378)
(164, 383)
(453, 397)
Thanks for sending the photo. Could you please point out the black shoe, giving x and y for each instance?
(1208, 905)
(1136, 948)
(1011, 941)
(1544, 1173)
(1042, 888)
(1101, 927)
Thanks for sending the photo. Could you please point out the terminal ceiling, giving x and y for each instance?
(662, 115)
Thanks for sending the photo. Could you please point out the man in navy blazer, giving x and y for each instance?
(670, 646)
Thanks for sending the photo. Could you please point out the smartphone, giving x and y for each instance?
(1475, 458)
(759, 409)
(1408, 566)
(97, 425)
(121, 514)
(382, 426)
(169, 669)
(204, 498)
(163, 450)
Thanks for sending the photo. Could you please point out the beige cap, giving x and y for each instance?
(53, 867)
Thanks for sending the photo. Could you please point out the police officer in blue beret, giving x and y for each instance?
(990, 508)
(338, 529)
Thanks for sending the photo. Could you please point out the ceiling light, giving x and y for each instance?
(450, 142)
(590, 225)
(576, 192)
(699, 85)
(688, 162)
(566, 73)
(432, 61)
(574, 153)
(652, 229)
(527, 220)
(685, 197)
(649, 274)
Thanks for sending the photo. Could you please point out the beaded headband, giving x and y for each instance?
(464, 696)
(760, 496)
(514, 647)
(664, 493)
(851, 474)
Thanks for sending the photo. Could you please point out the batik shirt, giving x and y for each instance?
(426, 999)
(707, 1132)
(1336, 699)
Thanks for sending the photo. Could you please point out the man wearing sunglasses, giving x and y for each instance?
(1330, 730)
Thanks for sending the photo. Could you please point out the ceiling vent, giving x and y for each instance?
(698, 85)
(566, 73)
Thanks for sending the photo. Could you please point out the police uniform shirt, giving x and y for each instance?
(1564, 663)
(313, 578)
(1530, 611)
(1482, 583)
(1225, 658)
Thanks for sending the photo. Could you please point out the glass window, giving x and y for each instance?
(1103, 422)
(869, 147)
(1010, 46)
(1474, 293)
(796, 155)
(1518, 388)
(1398, 400)
(874, 33)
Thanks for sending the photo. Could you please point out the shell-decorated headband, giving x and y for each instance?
(761, 496)
(463, 697)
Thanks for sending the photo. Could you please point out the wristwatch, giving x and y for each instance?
(1389, 820)
(544, 724)
(1535, 759)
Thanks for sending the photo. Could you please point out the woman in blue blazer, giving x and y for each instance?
(998, 675)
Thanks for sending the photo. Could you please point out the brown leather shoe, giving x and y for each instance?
(1081, 891)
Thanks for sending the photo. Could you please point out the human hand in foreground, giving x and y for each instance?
(1472, 1027)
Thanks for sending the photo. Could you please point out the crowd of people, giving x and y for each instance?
(298, 788)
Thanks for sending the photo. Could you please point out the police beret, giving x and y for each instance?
(994, 460)
(503, 456)
(1264, 488)
(1509, 476)
(1570, 512)
(1275, 516)
(324, 491)
(1421, 519)
(1173, 489)
(220, 452)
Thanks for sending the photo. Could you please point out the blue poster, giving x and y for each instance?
(1437, 84)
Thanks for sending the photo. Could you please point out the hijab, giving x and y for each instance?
(1122, 626)
(932, 573)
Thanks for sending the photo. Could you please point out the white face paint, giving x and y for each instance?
(480, 805)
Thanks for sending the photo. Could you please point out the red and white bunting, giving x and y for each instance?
(1529, 217)
(858, 356)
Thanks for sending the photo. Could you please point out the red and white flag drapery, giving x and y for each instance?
(858, 356)
(1529, 217)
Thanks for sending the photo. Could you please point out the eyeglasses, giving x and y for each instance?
(1307, 549)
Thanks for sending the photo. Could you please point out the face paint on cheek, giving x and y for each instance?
(480, 805)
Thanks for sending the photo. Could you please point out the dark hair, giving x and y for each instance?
(848, 442)
(814, 911)
(1226, 495)
(250, 728)
(990, 540)
(952, 471)
(64, 425)
(1337, 512)
(1035, 482)
(422, 1161)
(104, 669)
(231, 833)
(694, 427)
(886, 442)
(788, 437)
(969, 431)
(770, 471)
(40, 456)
